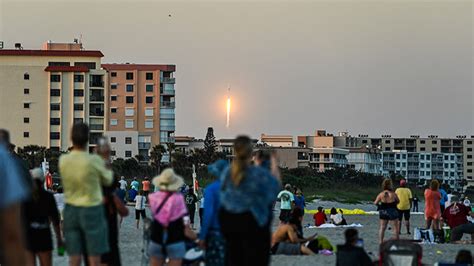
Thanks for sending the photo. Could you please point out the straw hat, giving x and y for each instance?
(168, 180)
(37, 173)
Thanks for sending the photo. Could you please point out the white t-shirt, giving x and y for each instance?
(140, 202)
(448, 202)
(337, 218)
(123, 184)
(59, 198)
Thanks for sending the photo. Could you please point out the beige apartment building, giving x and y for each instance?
(141, 107)
(277, 140)
(44, 91)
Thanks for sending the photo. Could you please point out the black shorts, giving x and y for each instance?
(138, 213)
(39, 240)
(285, 215)
(404, 213)
(389, 214)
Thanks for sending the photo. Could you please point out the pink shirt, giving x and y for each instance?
(174, 208)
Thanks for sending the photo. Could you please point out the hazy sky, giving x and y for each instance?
(373, 67)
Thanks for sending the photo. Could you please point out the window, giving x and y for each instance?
(428, 165)
(451, 174)
(26, 76)
(364, 141)
(55, 92)
(26, 120)
(129, 111)
(469, 170)
(422, 156)
(452, 158)
(129, 88)
(469, 142)
(422, 173)
(89, 65)
(452, 165)
(54, 135)
(78, 78)
(26, 134)
(469, 156)
(129, 75)
(26, 91)
(446, 165)
(113, 110)
(113, 74)
(113, 86)
(128, 140)
(387, 141)
(55, 78)
(113, 122)
(54, 121)
(149, 87)
(446, 157)
(129, 123)
(398, 156)
(387, 148)
(112, 153)
(434, 149)
(149, 76)
(428, 157)
(78, 107)
(26, 105)
(469, 149)
(469, 163)
(404, 156)
(422, 142)
(149, 99)
(148, 111)
(149, 123)
(422, 165)
(434, 142)
(113, 98)
(128, 154)
(78, 120)
(129, 99)
(404, 164)
(79, 93)
(398, 164)
(428, 173)
(422, 149)
(113, 139)
(55, 107)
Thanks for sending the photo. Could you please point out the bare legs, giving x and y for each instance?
(383, 226)
(432, 222)
(76, 260)
(154, 261)
(306, 251)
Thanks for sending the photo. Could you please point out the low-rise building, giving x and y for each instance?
(277, 140)
(365, 159)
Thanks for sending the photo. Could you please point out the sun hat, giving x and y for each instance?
(168, 180)
(37, 173)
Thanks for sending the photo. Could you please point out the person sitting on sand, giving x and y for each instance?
(387, 202)
(352, 253)
(336, 218)
(288, 239)
(319, 217)
(455, 216)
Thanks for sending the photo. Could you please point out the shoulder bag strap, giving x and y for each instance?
(163, 203)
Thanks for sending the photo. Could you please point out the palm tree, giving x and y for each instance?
(156, 154)
(171, 147)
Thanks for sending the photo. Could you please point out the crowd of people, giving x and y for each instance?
(87, 211)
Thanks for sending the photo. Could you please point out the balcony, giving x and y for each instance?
(96, 96)
(96, 127)
(168, 80)
(167, 91)
(166, 104)
(96, 81)
(167, 128)
(96, 110)
(144, 145)
(167, 116)
(167, 140)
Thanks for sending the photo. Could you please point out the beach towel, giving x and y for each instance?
(325, 226)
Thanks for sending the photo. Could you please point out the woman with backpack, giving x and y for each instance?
(170, 226)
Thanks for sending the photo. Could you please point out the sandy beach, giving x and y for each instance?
(131, 239)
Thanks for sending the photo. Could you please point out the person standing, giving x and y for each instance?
(432, 205)
(405, 197)
(59, 198)
(201, 209)
(210, 236)
(140, 201)
(450, 199)
(415, 203)
(123, 183)
(135, 185)
(444, 198)
(83, 175)
(246, 195)
(146, 187)
(39, 212)
(299, 200)
(13, 192)
(286, 200)
(191, 200)
(386, 202)
(169, 228)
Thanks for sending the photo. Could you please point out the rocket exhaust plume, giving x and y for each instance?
(228, 108)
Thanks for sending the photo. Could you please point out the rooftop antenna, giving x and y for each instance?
(80, 41)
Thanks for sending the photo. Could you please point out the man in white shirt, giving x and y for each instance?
(123, 183)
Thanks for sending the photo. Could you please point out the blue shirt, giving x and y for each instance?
(211, 209)
(13, 188)
(444, 196)
(299, 202)
(255, 193)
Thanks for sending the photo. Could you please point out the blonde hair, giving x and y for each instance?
(387, 184)
(243, 154)
(434, 185)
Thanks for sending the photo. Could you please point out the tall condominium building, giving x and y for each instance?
(141, 107)
(44, 91)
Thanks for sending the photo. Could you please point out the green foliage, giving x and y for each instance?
(210, 146)
(33, 156)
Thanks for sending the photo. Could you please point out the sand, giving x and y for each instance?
(131, 240)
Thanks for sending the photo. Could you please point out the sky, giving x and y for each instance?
(368, 67)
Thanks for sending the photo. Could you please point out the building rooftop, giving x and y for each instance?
(143, 67)
(72, 53)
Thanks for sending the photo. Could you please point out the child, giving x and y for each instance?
(140, 201)
(319, 217)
